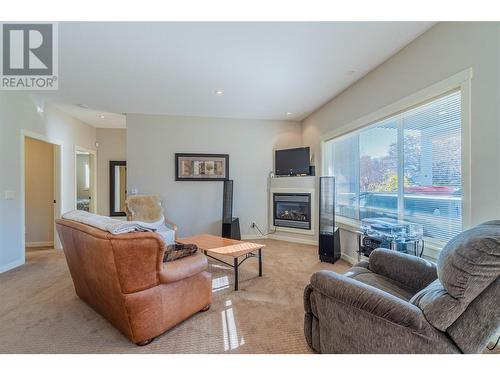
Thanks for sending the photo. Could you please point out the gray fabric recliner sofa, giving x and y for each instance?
(398, 303)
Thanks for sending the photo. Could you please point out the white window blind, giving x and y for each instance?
(407, 166)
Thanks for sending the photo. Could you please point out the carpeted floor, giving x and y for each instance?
(40, 312)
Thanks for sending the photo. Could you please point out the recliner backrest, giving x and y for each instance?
(470, 261)
(467, 266)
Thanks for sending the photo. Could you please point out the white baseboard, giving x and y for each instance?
(11, 265)
(349, 259)
(278, 237)
(246, 237)
(292, 239)
(39, 244)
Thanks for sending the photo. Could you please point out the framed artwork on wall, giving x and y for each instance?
(201, 167)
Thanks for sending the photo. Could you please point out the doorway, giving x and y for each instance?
(85, 168)
(41, 192)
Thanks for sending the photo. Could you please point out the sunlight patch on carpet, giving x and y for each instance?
(229, 329)
(220, 283)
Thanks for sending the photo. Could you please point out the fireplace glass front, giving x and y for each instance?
(292, 210)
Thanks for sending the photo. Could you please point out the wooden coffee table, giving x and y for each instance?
(216, 245)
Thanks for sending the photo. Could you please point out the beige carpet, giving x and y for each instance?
(40, 313)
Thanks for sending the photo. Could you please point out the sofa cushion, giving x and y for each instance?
(380, 282)
(409, 270)
(470, 261)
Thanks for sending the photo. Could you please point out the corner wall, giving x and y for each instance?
(112, 146)
(19, 111)
(196, 207)
(444, 50)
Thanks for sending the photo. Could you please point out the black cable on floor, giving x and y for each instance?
(422, 251)
(494, 346)
(262, 234)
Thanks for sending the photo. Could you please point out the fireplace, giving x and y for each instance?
(292, 210)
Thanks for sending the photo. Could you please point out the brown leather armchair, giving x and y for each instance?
(124, 279)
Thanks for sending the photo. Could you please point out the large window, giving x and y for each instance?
(407, 166)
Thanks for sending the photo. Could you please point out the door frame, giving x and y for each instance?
(93, 179)
(58, 152)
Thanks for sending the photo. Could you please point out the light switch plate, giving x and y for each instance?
(10, 194)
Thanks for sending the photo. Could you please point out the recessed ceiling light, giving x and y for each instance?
(289, 113)
(101, 116)
(219, 92)
(39, 109)
(84, 106)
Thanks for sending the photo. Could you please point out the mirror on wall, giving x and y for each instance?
(85, 184)
(117, 187)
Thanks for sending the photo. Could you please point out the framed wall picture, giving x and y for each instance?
(201, 167)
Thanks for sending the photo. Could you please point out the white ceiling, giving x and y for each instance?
(175, 68)
(99, 119)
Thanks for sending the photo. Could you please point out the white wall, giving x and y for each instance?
(444, 50)
(17, 112)
(112, 146)
(196, 207)
(39, 191)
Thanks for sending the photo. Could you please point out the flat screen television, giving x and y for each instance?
(292, 162)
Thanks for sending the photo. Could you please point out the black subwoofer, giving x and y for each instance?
(232, 229)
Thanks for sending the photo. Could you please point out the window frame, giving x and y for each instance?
(460, 81)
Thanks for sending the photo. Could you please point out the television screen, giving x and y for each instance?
(292, 162)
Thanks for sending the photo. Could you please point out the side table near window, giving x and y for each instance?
(392, 234)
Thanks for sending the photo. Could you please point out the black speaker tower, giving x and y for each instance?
(329, 237)
(230, 224)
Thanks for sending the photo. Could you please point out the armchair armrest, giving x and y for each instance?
(183, 268)
(406, 269)
(367, 298)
